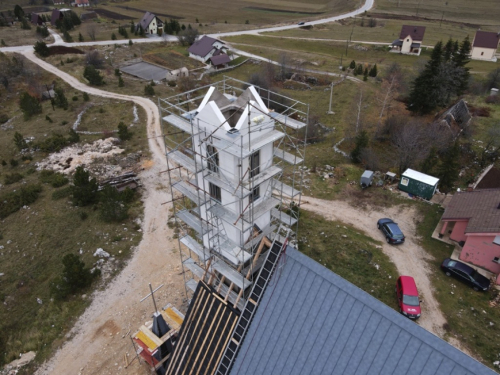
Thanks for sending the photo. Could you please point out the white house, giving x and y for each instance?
(80, 3)
(206, 47)
(410, 40)
(174, 75)
(484, 46)
(151, 24)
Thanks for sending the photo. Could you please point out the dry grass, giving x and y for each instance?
(16, 36)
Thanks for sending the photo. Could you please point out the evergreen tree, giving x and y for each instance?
(73, 136)
(461, 59)
(84, 188)
(74, 277)
(19, 141)
(373, 71)
(449, 169)
(60, 99)
(130, 42)
(113, 36)
(80, 37)
(422, 98)
(167, 27)
(112, 206)
(29, 105)
(352, 65)
(132, 27)
(93, 76)
(86, 97)
(123, 132)
(449, 50)
(149, 90)
(18, 12)
(67, 38)
(430, 162)
(361, 142)
(120, 82)
(359, 69)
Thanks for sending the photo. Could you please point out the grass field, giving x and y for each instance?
(479, 12)
(386, 31)
(34, 239)
(350, 254)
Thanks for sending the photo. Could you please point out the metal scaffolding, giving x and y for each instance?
(223, 186)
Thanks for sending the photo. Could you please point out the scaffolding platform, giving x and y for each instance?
(183, 160)
(260, 141)
(286, 156)
(284, 218)
(193, 222)
(261, 208)
(286, 120)
(179, 123)
(229, 217)
(190, 192)
(192, 284)
(231, 274)
(286, 189)
(268, 173)
(235, 254)
(195, 247)
(226, 186)
(194, 268)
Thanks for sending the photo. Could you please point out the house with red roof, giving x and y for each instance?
(206, 47)
(484, 45)
(473, 220)
(80, 3)
(410, 40)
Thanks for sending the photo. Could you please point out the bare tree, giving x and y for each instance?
(94, 58)
(188, 36)
(91, 30)
(492, 146)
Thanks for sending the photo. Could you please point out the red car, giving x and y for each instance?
(407, 294)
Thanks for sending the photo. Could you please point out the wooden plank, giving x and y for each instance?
(146, 340)
(150, 335)
(224, 346)
(172, 318)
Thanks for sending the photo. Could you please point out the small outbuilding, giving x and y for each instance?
(366, 179)
(418, 183)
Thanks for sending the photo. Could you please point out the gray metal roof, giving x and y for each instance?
(311, 321)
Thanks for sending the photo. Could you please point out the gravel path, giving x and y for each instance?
(410, 259)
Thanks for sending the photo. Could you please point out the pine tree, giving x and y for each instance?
(352, 65)
(80, 37)
(422, 98)
(373, 71)
(449, 169)
(430, 161)
(361, 142)
(93, 76)
(123, 132)
(60, 99)
(84, 188)
(461, 59)
(42, 49)
(19, 141)
(132, 27)
(120, 82)
(29, 105)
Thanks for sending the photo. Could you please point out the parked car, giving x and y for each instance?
(391, 231)
(408, 299)
(465, 273)
(301, 23)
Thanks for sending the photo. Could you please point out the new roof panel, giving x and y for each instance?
(311, 321)
(486, 39)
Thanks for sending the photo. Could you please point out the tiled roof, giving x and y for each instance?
(486, 39)
(311, 321)
(481, 207)
(202, 46)
(147, 19)
(416, 32)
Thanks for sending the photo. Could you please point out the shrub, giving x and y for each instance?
(60, 99)
(53, 178)
(11, 202)
(123, 132)
(41, 48)
(61, 193)
(120, 82)
(74, 98)
(4, 163)
(117, 72)
(149, 90)
(54, 143)
(73, 136)
(493, 99)
(83, 215)
(130, 42)
(113, 36)
(12, 178)
(86, 97)
(26, 157)
(74, 277)
(13, 163)
(48, 119)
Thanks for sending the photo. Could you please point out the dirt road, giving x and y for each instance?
(409, 258)
(99, 339)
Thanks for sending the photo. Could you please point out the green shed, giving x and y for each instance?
(417, 183)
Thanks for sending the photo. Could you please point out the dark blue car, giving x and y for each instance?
(466, 274)
(391, 231)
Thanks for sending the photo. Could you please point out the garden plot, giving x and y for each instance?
(146, 71)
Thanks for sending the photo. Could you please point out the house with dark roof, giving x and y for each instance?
(309, 321)
(151, 24)
(206, 47)
(473, 220)
(220, 61)
(36, 19)
(410, 40)
(484, 45)
(488, 179)
(57, 14)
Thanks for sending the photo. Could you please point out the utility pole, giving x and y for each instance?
(330, 112)
(441, 19)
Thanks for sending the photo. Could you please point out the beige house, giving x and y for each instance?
(410, 40)
(151, 24)
(484, 46)
(174, 75)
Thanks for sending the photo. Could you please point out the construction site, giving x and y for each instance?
(234, 154)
